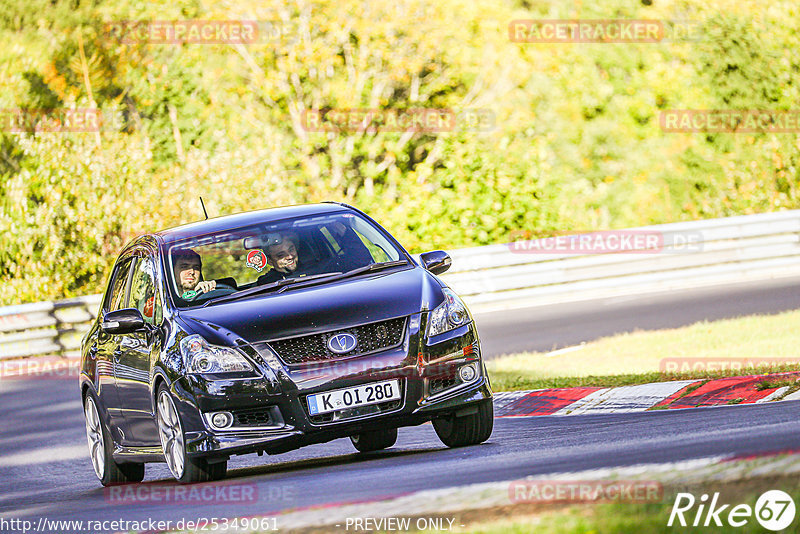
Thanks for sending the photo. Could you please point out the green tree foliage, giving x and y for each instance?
(576, 144)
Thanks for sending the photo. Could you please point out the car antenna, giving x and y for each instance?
(204, 208)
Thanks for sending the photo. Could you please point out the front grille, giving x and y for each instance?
(372, 337)
(253, 417)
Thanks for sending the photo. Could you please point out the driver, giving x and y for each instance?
(188, 269)
(283, 258)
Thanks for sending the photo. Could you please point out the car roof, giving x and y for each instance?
(238, 220)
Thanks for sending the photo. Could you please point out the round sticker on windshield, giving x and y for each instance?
(189, 295)
(257, 260)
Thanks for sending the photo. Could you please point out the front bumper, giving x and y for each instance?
(212, 444)
(427, 370)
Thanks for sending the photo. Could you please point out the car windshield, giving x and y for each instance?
(273, 255)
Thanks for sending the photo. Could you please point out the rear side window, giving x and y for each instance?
(116, 297)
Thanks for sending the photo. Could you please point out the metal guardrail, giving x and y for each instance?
(501, 276)
(46, 327)
(732, 249)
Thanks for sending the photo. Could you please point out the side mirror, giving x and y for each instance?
(436, 261)
(122, 321)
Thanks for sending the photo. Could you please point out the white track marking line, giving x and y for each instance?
(774, 395)
(792, 396)
(565, 350)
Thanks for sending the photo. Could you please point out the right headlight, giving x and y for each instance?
(448, 315)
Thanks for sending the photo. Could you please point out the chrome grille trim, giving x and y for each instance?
(313, 348)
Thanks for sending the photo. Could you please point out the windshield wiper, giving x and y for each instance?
(268, 287)
(371, 268)
(339, 276)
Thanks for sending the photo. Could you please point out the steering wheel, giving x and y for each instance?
(220, 290)
(329, 265)
(336, 264)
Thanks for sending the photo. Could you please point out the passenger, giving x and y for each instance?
(283, 258)
(188, 269)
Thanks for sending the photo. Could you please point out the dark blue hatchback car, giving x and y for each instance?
(269, 330)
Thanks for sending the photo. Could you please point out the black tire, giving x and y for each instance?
(374, 440)
(468, 429)
(184, 468)
(99, 435)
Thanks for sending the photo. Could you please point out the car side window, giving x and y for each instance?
(116, 297)
(143, 291)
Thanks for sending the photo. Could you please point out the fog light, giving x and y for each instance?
(467, 373)
(222, 419)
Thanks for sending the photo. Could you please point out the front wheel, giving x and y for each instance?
(170, 429)
(375, 440)
(101, 447)
(468, 429)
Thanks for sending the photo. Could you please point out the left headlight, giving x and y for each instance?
(448, 315)
(204, 358)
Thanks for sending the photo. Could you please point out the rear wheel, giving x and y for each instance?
(374, 440)
(170, 429)
(468, 429)
(101, 448)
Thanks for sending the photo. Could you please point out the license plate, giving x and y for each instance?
(364, 395)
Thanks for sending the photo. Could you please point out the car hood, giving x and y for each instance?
(315, 309)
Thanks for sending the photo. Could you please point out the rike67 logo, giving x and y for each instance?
(774, 510)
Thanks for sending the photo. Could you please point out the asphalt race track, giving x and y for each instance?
(45, 469)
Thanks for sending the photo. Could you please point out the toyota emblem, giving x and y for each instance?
(342, 343)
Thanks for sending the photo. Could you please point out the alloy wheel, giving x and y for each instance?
(94, 436)
(171, 433)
